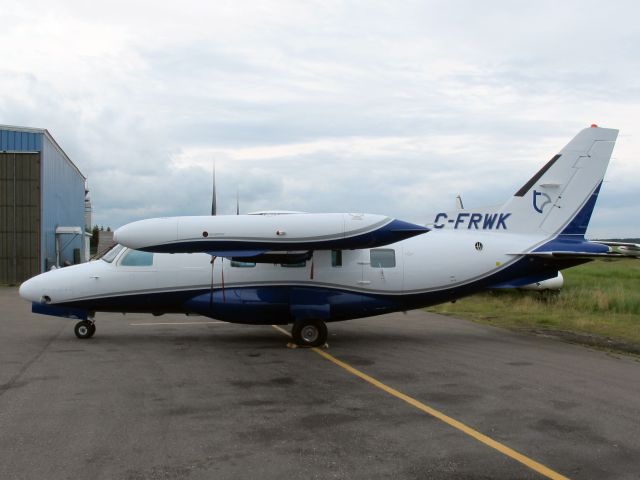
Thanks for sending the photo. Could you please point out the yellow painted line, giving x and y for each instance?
(176, 323)
(490, 442)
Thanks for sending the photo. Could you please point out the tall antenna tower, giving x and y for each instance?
(214, 207)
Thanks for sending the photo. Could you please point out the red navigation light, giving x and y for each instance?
(593, 125)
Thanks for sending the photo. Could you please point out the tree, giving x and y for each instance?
(93, 243)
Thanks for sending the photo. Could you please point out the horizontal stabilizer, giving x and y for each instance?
(623, 248)
(566, 247)
(577, 255)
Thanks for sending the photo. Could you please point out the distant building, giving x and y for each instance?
(43, 205)
(105, 241)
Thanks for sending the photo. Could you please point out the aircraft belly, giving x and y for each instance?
(251, 305)
(284, 304)
(310, 303)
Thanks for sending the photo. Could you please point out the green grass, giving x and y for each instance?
(601, 298)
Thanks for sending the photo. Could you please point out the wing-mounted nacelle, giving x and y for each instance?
(250, 256)
(230, 235)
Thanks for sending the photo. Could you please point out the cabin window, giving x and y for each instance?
(383, 258)
(137, 258)
(294, 265)
(238, 264)
(336, 258)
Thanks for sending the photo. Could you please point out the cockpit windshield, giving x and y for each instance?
(112, 253)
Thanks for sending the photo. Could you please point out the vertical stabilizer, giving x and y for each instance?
(560, 197)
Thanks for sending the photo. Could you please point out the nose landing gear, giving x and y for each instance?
(309, 333)
(85, 329)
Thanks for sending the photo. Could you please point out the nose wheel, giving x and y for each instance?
(85, 329)
(309, 333)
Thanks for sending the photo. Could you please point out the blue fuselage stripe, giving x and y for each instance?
(282, 304)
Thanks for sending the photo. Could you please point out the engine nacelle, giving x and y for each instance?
(554, 283)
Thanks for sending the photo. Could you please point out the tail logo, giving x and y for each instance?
(539, 204)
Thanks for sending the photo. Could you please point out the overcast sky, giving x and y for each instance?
(324, 106)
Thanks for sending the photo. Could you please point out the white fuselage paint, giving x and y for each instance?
(423, 264)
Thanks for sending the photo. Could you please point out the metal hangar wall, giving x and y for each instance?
(41, 191)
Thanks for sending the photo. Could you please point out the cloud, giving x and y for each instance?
(323, 106)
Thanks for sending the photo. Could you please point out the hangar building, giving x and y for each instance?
(43, 202)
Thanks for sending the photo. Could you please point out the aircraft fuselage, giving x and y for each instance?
(332, 285)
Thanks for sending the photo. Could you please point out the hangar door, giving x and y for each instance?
(19, 216)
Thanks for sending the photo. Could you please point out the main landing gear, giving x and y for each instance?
(309, 333)
(85, 329)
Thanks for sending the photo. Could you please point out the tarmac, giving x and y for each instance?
(406, 396)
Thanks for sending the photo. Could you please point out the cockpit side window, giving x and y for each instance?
(137, 258)
(111, 254)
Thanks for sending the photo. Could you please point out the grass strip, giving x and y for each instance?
(598, 299)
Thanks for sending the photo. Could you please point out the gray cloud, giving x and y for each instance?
(404, 105)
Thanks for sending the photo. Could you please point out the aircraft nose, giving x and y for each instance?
(30, 290)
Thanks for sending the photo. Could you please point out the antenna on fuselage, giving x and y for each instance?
(237, 200)
(459, 204)
(214, 207)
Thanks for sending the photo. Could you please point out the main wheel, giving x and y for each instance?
(84, 329)
(309, 333)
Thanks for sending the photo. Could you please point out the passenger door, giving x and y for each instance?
(382, 269)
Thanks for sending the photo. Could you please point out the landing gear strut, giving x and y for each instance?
(309, 333)
(85, 329)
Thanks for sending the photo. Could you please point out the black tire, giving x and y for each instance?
(84, 329)
(309, 333)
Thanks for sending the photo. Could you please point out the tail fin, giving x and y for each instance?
(559, 199)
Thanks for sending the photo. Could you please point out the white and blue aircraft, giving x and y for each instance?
(308, 269)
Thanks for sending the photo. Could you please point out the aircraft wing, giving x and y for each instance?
(255, 235)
